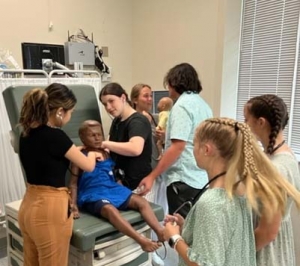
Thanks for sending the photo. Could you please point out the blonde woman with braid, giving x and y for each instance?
(219, 229)
(267, 117)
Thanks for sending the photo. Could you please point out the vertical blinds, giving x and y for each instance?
(268, 58)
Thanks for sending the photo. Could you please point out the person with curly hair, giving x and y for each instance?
(182, 175)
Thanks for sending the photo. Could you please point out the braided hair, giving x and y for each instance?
(247, 165)
(274, 110)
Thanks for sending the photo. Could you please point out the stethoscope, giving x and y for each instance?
(193, 200)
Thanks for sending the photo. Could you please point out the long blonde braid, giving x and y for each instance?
(248, 166)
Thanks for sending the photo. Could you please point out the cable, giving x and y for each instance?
(48, 66)
(99, 61)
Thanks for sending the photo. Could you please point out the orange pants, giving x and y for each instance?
(46, 226)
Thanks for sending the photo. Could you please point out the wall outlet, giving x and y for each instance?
(105, 51)
(107, 77)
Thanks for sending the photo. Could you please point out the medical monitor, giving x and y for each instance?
(156, 96)
(34, 53)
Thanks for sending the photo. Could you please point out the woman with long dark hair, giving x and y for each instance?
(46, 151)
(129, 143)
(267, 116)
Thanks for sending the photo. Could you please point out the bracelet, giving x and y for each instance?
(177, 241)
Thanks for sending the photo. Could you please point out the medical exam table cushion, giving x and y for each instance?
(88, 229)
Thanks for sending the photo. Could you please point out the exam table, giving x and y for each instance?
(94, 240)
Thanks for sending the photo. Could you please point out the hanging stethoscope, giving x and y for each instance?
(193, 200)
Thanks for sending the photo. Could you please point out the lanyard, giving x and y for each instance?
(193, 200)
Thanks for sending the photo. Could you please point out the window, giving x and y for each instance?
(269, 58)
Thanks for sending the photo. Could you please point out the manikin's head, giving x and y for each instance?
(91, 135)
(164, 104)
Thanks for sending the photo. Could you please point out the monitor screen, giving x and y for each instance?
(34, 53)
(157, 95)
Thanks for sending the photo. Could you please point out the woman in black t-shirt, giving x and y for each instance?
(45, 153)
(130, 136)
(141, 98)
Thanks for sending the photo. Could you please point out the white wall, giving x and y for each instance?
(232, 25)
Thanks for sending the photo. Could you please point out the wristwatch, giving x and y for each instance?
(174, 239)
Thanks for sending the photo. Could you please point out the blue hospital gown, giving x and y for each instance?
(100, 184)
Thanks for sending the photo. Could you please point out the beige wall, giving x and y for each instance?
(145, 38)
(161, 34)
(109, 21)
(169, 32)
